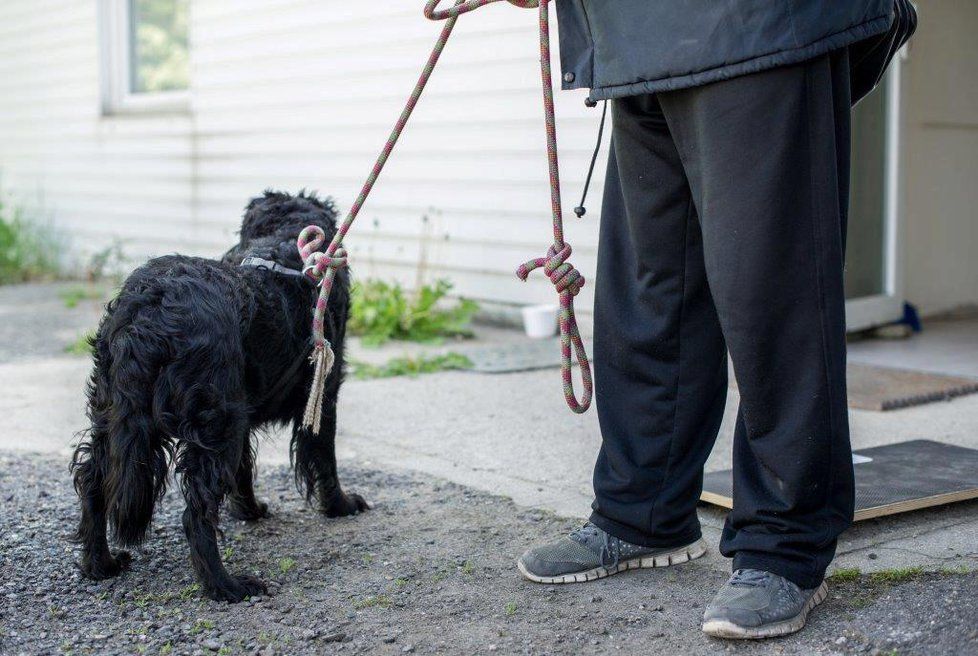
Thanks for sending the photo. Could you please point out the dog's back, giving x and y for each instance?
(169, 369)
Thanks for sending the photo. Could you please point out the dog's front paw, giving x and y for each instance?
(106, 567)
(235, 589)
(344, 505)
(248, 512)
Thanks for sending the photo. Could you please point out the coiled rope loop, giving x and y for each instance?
(567, 280)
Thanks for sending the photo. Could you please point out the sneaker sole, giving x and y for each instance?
(731, 631)
(664, 559)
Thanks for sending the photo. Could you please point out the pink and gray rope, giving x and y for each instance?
(567, 280)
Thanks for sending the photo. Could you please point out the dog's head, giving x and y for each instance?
(272, 223)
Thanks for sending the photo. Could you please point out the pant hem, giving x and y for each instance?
(633, 536)
(794, 572)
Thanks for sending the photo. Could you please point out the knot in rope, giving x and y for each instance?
(317, 264)
(555, 265)
(568, 281)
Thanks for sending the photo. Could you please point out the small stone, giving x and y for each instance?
(391, 639)
(407, 649)
(872, 556)
(212, 644)
(309, 634)
(334, 637)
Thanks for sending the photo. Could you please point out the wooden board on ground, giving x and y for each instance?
(891, 479)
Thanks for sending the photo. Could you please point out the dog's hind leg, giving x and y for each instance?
(315, 467)
(242, 503)
(89, 461)
(208, 460)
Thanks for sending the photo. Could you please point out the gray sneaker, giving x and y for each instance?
(756, 604)
(589, 553)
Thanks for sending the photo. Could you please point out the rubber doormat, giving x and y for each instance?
(882, 388)
(522, 356)
(891, 479)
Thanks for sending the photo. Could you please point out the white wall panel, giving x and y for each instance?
(293, 94)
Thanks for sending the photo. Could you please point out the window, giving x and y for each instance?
(146, 58)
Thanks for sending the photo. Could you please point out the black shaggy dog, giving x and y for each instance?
(191, 359)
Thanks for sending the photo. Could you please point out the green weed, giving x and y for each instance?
(845, 574)
(200, 625)
(26, 251)
(511, 608)
(897, 575)
(285, 565)
(189, 591)
(410, 366)
(383, 311)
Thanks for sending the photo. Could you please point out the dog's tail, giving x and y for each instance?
(139, 453)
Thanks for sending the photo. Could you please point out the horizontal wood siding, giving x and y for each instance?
(301, 94)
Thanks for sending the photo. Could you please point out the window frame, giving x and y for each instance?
(115, 37)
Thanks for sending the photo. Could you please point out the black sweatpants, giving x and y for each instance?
(723, 229)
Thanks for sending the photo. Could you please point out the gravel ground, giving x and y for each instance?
(429, 570)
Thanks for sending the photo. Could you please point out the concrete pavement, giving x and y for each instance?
(508, 434)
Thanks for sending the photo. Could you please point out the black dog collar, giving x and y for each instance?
(274, 267)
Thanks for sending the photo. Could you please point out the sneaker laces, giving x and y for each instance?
(749, 578)
(610, 545)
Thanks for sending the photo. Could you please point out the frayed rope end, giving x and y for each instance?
(322, 358)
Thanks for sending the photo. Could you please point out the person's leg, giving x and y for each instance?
(660, 366)
(767, 159)
(659, 357)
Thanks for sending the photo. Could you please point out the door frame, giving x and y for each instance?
(887, 307)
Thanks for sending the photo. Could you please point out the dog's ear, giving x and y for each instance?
(277, 211)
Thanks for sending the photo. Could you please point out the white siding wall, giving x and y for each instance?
(302, 93)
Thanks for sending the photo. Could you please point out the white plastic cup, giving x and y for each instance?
(540, 321)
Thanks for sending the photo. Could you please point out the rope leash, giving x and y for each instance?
(568, 281)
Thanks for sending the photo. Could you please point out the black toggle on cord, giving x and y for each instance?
(580, 210)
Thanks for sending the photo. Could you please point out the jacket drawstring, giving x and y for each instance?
(580, 210)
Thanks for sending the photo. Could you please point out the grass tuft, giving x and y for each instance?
(845, 574)
(897, 575)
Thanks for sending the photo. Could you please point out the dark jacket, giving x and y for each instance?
(627, 47)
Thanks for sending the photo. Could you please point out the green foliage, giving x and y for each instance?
(409, 366)
(72, 296)
(898, 575)
(383, 311)
(161, 51)
(511, 608)
(83, 345)
(26, 249)
(845, 574)
(285, 565)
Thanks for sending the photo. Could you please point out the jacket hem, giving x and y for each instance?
(727, 71)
